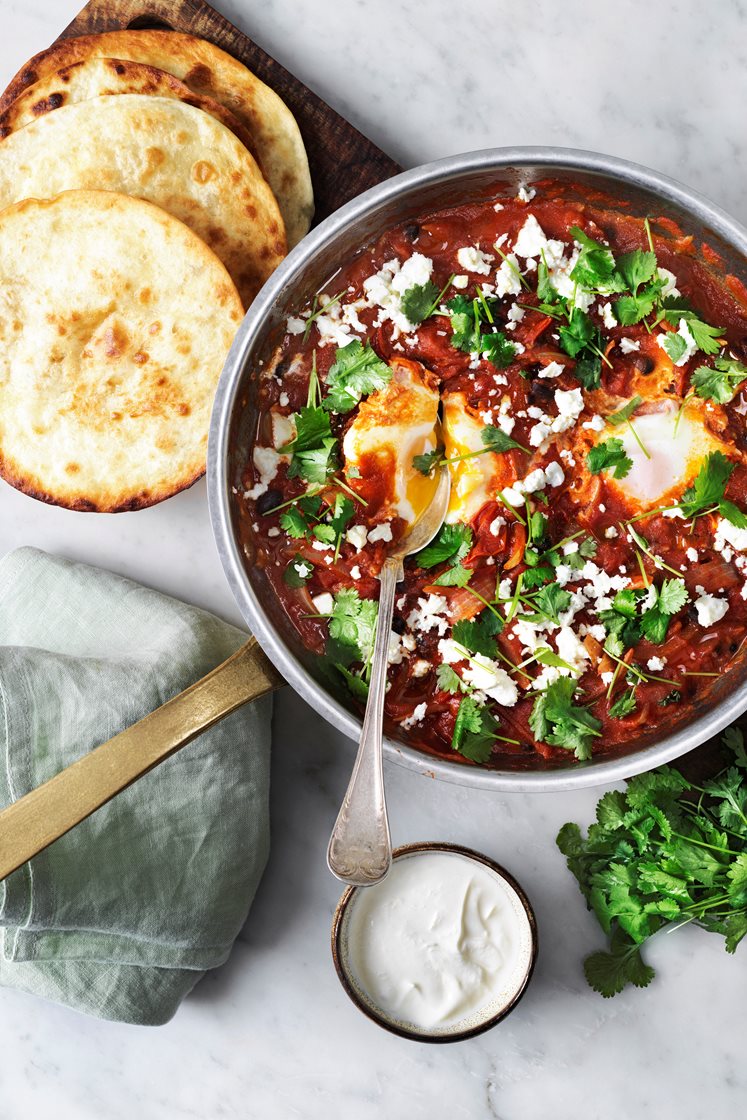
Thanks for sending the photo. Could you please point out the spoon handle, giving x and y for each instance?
(360, 848)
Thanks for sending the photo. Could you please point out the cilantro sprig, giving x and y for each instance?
(656, 857)
(357, 371)
(555, 719)
(468, 320)
(493, 439)
(610, 455)
(721, 381)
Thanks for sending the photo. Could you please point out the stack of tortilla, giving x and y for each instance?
(149, 185)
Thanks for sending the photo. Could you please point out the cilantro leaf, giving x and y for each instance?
(721, 382)
(452, 542)
(448, 680)
(555, 719)
(609, 455)
(636, 268)
(293, 522)
(675, 345)
(551, 601)
(352, 625)
(609, 973)
(315, 465)
(357, 686)
(465, 324)
(623, 415)
(478, 635)
(588, 371)
(496, 440)
(418, 302)
(633, 308)
(624, 705)
(578, 333)
(425, 463)
(498, 349)
(709, 485)
(595, 267)
(357, 371)
(298, 572)
(474, 731)
(670, 598)
(455, 576)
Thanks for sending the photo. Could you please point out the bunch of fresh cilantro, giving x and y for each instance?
(664, 853)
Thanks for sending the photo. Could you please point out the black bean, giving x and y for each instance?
(282, 368)
(540, 392)
(398, 625)
(644, 364)
(267, 502)
(412, 231)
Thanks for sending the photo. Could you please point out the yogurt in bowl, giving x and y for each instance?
(441, 949)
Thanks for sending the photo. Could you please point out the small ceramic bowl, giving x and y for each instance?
(484, 1019)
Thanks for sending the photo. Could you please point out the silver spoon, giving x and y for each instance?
(360, 847)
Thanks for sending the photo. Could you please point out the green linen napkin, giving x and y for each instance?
(123, 915)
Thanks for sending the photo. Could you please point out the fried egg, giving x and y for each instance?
(394, 425)
(674, 452)
(473, 481)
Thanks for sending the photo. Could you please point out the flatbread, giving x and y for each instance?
(99, 76)
(115, 321)
(211, 72)
(166, 152)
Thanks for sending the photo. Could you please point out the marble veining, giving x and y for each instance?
(272, 1034)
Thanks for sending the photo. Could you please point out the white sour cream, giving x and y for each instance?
(442, 944)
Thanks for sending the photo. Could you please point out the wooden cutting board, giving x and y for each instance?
(342, 160)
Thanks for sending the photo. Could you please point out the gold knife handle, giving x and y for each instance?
(35, 821)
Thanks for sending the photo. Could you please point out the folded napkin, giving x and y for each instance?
(122, 916)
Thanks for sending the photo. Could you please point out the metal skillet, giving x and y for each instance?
(275, 655)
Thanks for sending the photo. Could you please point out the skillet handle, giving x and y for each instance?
(40, 817)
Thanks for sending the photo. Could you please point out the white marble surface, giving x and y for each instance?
(271, 1034)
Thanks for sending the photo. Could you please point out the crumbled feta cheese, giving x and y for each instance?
(473, 259)
(670, 283)
(531, 241)
(571, 649)
(607, 678)
(295, 325)
(728, 533)
(321, 546)
(552, 369)
(283, 429)
(690, 344)
(611, 532)
(460, 281)
(692, 555)
(628, 345)
(500, 241)
(417, 716)
(429, 615)
(535, 480)
(709, 607)
(608, 317)
(323, 603)
(570, 405)
(656, 664)
(487, 676)
(497, 206)
(596, 424)
(507, 278)
(516, 313)
(513, 496)
(525, 194)
(381, 532)
(266, 460)
(385, 289)
(283, 400)
(496, 525)
(420, 668)
(554, 474)
(450, 652)
(356, 536)
(395, 652)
